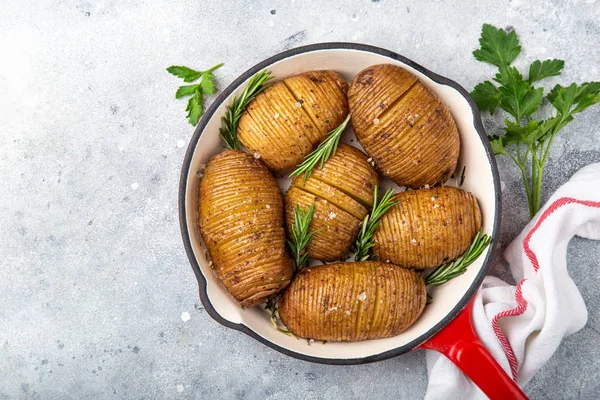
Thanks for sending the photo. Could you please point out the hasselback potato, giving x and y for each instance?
(352, 301)
(428, 227)
(241, 222)
(342, 192)
(289, 118)
(403, 126)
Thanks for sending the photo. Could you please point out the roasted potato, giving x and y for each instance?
(289, 118)
(342, 192)
(241, 222)
(352, 301)
(428, 227)
(403, 126)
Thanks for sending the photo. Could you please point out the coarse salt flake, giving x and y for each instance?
(311, 341)
(185, 316)
(333, 309)
(256, 155)
(376, 121)
(369, 159)
(362, 296)
(347, 312)
(414, 241)
(332, 215)
(268, 206)
(436, 206)
(432, 198)
(276, 115)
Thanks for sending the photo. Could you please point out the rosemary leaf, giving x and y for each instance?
(301, 237)
(450, 270)
(229, 122)
(326, 149)
(365, 242)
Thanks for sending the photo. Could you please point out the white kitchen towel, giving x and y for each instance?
(523, 326)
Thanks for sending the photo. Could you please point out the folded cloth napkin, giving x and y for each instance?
(523, 325)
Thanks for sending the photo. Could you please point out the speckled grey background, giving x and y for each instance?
(94, 280)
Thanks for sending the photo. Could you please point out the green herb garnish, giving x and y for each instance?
(271, 305)
(229, 122)
(195, 105)
(365, 242)
(450, 270)
(301, 237)
(527, 140)
(326, 149)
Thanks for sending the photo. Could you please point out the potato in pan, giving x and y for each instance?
(352, 301)
(403, 126)
(342, 192)
(241, 222)
(290, 118)
(428, 227)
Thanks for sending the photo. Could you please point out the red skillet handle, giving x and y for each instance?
(459, 342)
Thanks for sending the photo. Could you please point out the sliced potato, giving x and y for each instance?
(291, 117)
(241, 222)
(408, 131)
(342, 192)
(352, 301)
(428, 227)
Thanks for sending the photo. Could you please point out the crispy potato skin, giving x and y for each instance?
(291, 117)
(428, 227)
(342, 192)
(241, 222)
(403, 126)
(352, 301)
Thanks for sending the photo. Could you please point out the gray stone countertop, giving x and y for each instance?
(93, 276)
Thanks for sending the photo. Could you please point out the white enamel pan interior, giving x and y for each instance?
(480, 178)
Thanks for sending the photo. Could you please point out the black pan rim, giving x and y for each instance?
(470, 292)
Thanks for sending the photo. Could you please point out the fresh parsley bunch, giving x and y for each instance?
(527, 140)
(206, 86)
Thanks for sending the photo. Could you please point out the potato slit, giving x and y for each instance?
(315, 122)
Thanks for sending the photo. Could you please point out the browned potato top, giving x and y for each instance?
(403, 125)
(291, 117)
(428, 227)
(342, 192)
(352, 301)
(241, 222)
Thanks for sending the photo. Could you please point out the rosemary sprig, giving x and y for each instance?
(365, 242)
(271, 305)
(301, 237)
(450, 270)
(326, 149)
(229, 122)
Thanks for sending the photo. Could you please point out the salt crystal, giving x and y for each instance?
(299, 103)
(369, 160)
(376, 121)
(180, 143)
(432, 198)
(414, 241)
(199, 175)
(256, 155)
(426, 186)
(276, 115)
(332, 215)
(268, 206)
(362, 296)
(436, 206)
(180, 388)
(347, 312)
(185, 316)
(135, 186)
(311, 341)
(333, 309)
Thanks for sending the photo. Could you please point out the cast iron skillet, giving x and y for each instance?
(445, 325)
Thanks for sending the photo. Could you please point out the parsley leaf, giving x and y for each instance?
(187, 90)
(195, 105)
(486, 96)
(185, 73)
(497, 47)
(526, 140)
(539, 70)
(195, 108)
